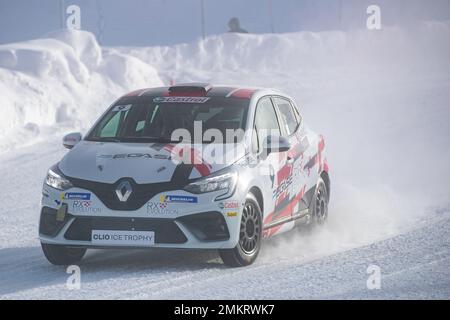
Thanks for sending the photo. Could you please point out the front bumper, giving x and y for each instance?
(68, 218)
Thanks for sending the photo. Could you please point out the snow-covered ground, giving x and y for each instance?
(380, 98)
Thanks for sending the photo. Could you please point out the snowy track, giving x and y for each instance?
(415, 264)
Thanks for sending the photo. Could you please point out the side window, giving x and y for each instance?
(288, 118)
(266, 123)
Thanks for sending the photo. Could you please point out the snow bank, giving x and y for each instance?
(63, 81)
(66, 80)
(424, 46)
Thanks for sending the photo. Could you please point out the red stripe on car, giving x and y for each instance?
(283, 173)
(243, 93)
(196, 158)
(286, 212)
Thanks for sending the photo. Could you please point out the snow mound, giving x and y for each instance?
(62, 81)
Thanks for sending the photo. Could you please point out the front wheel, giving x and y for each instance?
(62, 255)
(250, 234)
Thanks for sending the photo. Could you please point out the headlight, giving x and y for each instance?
(225, 181)
(56, 180)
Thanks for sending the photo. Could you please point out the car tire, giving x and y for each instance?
(62, 255)
(250, 236)
(319, 206)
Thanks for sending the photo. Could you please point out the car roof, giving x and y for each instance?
(200, 90)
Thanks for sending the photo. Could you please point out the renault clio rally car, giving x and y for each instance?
(159, 169)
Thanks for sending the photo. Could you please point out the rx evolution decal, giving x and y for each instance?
(158, 208)
(84, 207)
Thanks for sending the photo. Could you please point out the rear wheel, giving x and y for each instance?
(250, 234)
(320, 205)
(62, 255)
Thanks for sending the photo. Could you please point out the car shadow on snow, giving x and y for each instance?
(26, 268)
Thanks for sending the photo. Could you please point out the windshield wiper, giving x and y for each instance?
(134, 139)
(151, 139)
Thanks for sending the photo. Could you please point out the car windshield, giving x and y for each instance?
(157, 119)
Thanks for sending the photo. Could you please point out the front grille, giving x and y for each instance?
(140, 195)
(166, 230)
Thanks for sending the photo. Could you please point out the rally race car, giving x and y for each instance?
(187, 166)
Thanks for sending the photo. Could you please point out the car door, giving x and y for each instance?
(289, 126)
(306, 171)
(273, 167)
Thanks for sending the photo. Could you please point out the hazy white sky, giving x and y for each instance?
(154, 22)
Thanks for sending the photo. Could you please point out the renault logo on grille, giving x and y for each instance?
(124, 190)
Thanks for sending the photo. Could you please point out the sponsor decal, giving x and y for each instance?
(126, 238)
(75, 196)
(232, 214)
(178, 199)
(181, 99)
(229, 205)
(84, 207)
(158, 208)
(122, 108)
(161, 157)
(282, 187)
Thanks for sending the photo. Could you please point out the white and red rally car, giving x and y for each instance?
(187, 166)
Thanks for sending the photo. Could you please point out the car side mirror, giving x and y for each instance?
(275, 144)
(71, 139)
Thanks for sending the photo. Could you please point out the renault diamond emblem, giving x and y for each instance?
(124, 190)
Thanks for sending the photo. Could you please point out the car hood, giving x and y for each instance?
(145, 163)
